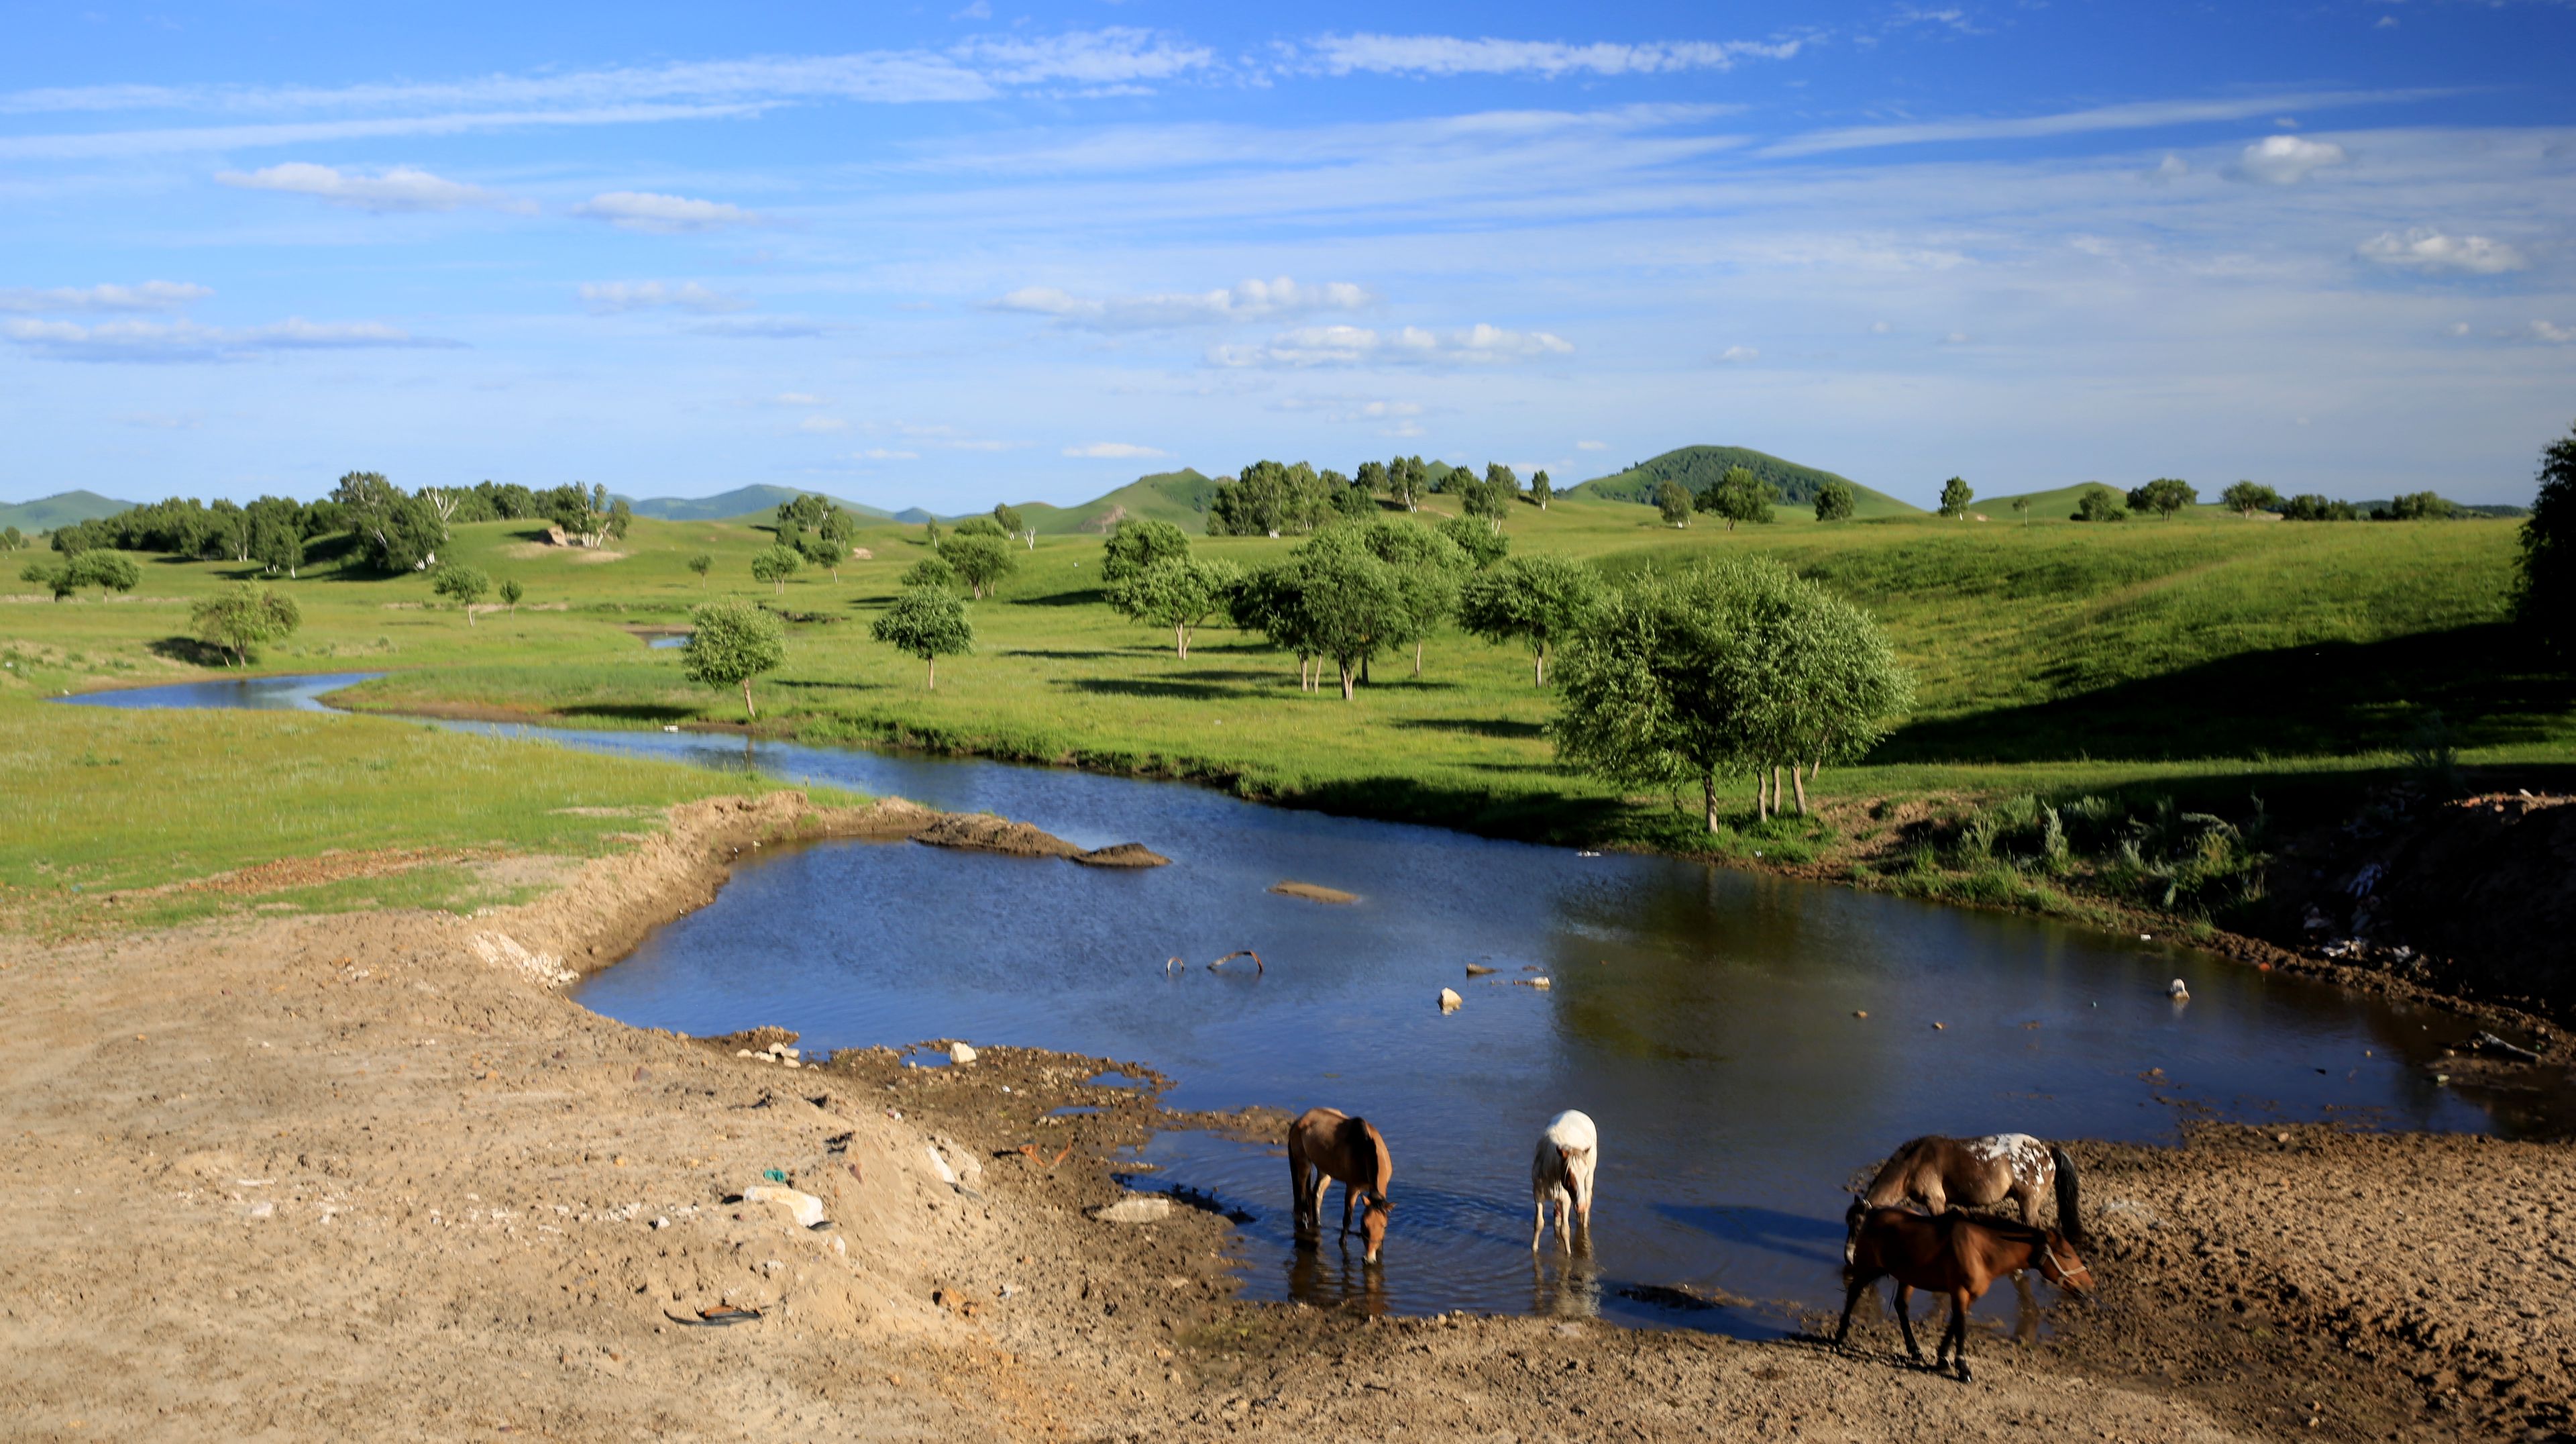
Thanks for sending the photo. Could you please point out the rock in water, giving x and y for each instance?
(1450, 1002)
(1313, 892)
(1135, 1208)
(961, 1053)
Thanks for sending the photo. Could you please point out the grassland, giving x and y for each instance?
(2208, 657)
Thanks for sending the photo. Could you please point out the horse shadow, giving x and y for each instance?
(1795, 1235)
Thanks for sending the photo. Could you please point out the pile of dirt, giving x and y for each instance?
(983, 832)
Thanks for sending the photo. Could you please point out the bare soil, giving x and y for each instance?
(374, 1175)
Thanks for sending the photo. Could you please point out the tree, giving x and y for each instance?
(1674, 503)
(2309, 506)
(1737, 495)
(729, 644)
(1135, 545)
(275, 527)
(96, 567)
(1270, 498)
(1177, 592)
(1955, 496)
(2419, 506)
(398, 533)
(1535, 600)
(511, 591)
(588, 517)
(1272, 601)
(1016, 525)
(822, 551)
(702, 564)
(2544, 593)
(979, 526)
(2248, 497)
(243, 616)
(1490, 498)
(2098, 503)
(929, 623)
(1737, 667)
(930, 532)
(775, 564)
(933, 571)
(1426, 565)
(1353, 605)
(1482, 544)
(2164, 496)
(1406, 480)
(1373, 480)
(12, 539)
(804, 511)
(1351, 501)
(2021, 508)
(980, 559)
(1540, 490)
(1834, 500)
(54, 576)
(463, 583)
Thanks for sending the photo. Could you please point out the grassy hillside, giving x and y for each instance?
(1697, 468)
(63, 508)
(741, 501)
(1179, 497)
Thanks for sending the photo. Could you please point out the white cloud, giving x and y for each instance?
(1955, 338)
(1739, 354)
(605, 298)
(1879, 328)
(147, 296)
(2552, 332)
(2430, 250)
(880, 453)
(662, 215)
(1592, 446)
(1249, 301)
(2286, 159)
(1114, 451)
(797, 398)
(822, 424)
(979, 10)
(2459, 328)
(1426, 55)
(2135, 116)
(402, 188)
(1114, 56)
(1404, 346)
(90, 145)
(188, 341)
(763, 328)
(2172, 168)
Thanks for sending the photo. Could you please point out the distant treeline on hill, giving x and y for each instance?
(1274, 498)
(392, 529)
(1696, 469)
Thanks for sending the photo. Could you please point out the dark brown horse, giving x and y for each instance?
(1952, 1254)
(1324, 1144)
(1946, 1173)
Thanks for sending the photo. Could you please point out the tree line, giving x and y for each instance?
(1274, 498)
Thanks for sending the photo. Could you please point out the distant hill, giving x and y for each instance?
(1697, 468)
(741, 501)
(61, 509)
(1179, 497)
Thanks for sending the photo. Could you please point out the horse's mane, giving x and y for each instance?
(1367, 1146)
(2005, 1228)
(1891, 1174)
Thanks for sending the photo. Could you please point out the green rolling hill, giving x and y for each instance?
(741, 501)
(1179, 497)
(63, 508)
(1697, 468)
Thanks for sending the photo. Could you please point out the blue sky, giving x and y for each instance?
(973, 251)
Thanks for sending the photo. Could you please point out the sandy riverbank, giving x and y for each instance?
(374, 1175)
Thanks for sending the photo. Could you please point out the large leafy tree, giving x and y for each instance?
(1272, 498)
(1354, 605)
(1482, 545)
(822, 551)
(588, 516)
(2098, 503)
(2248, 497)
(1739, 496)
(1674, 503)
(398, 533)
(1272, 601)
(1541, 490)
(1177, 592)
(1955, 496)
(1407, 478)
(1533, 600)
(1135, 545)
(1490, 498)
(1732, 668)
(929, 623)
(2164, 496)
(776, 564)
(462, 584)
(97, 567)
(1834, 500)
(982, 560)
(1426, 565)
(1015, 525)
(276, 534)
(2544, 597)
(242, 617)
(730, 643)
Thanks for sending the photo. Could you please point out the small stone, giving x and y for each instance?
(1135, 1208)
(961, 1053)
(1940, 1027)
(661, 1223)
(1860, 1012)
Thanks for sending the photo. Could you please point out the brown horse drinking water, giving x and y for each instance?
(1324, 1144)
(1952, 1254)
(1946, 1173)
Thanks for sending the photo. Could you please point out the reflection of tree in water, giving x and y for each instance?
(1330, 1275)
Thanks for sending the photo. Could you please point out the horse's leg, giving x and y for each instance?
(1297, 1194)
(1860, 1283)
(1935, 1200)
(1538, 1219)
(1905, 1320)
(1350, 1193)
(1959, 1331)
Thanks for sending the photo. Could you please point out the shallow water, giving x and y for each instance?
(1703, 1017)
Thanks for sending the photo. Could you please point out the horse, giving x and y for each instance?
(1324, 1145)
(1561, 1174)
(1953, 1254)
(1946, 1173)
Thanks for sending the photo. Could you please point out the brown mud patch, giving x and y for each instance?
(983, 832)
(1314, 892)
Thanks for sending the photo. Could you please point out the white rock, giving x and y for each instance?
(1135, 1208)
(805, 1208)
(2176, 991)
(1450, 1002)
(961, 1053)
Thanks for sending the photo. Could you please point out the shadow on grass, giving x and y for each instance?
(2328, 698)
(1199, 690)
(628, 711)
(821, 689)
(189, 650)
(1054, 654)
(1087, 597)
(1543, 817)
(1477, 727)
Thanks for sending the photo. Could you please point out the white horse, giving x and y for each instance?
(1561, 1174)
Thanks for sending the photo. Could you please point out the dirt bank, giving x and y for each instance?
(375, 1175)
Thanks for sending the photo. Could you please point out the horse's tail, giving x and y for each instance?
(2069, 1197)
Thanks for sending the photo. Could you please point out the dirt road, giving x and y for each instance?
(374, 1176)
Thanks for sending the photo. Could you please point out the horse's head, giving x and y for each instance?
(2060, 1265)
(1373, 1214)
(1851, 1227)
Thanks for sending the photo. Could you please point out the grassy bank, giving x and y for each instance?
(2208, 658)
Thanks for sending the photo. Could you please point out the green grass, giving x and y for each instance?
(2208, 657)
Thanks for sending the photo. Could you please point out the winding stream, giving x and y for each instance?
(1704, 1017)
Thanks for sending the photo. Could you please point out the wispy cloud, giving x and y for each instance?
(822, 424)
(2140, 115)
(2286, 159)
(172, 341)
(1402, 346)
(2430, 250)
(662, 215)
(1114, 451)
(110, 144)
(765, 328)
(1250, 301)
(607, 298)
(402, 188)
(796, 398)
(1440, 55)
(61, 300)
(1592, 446)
